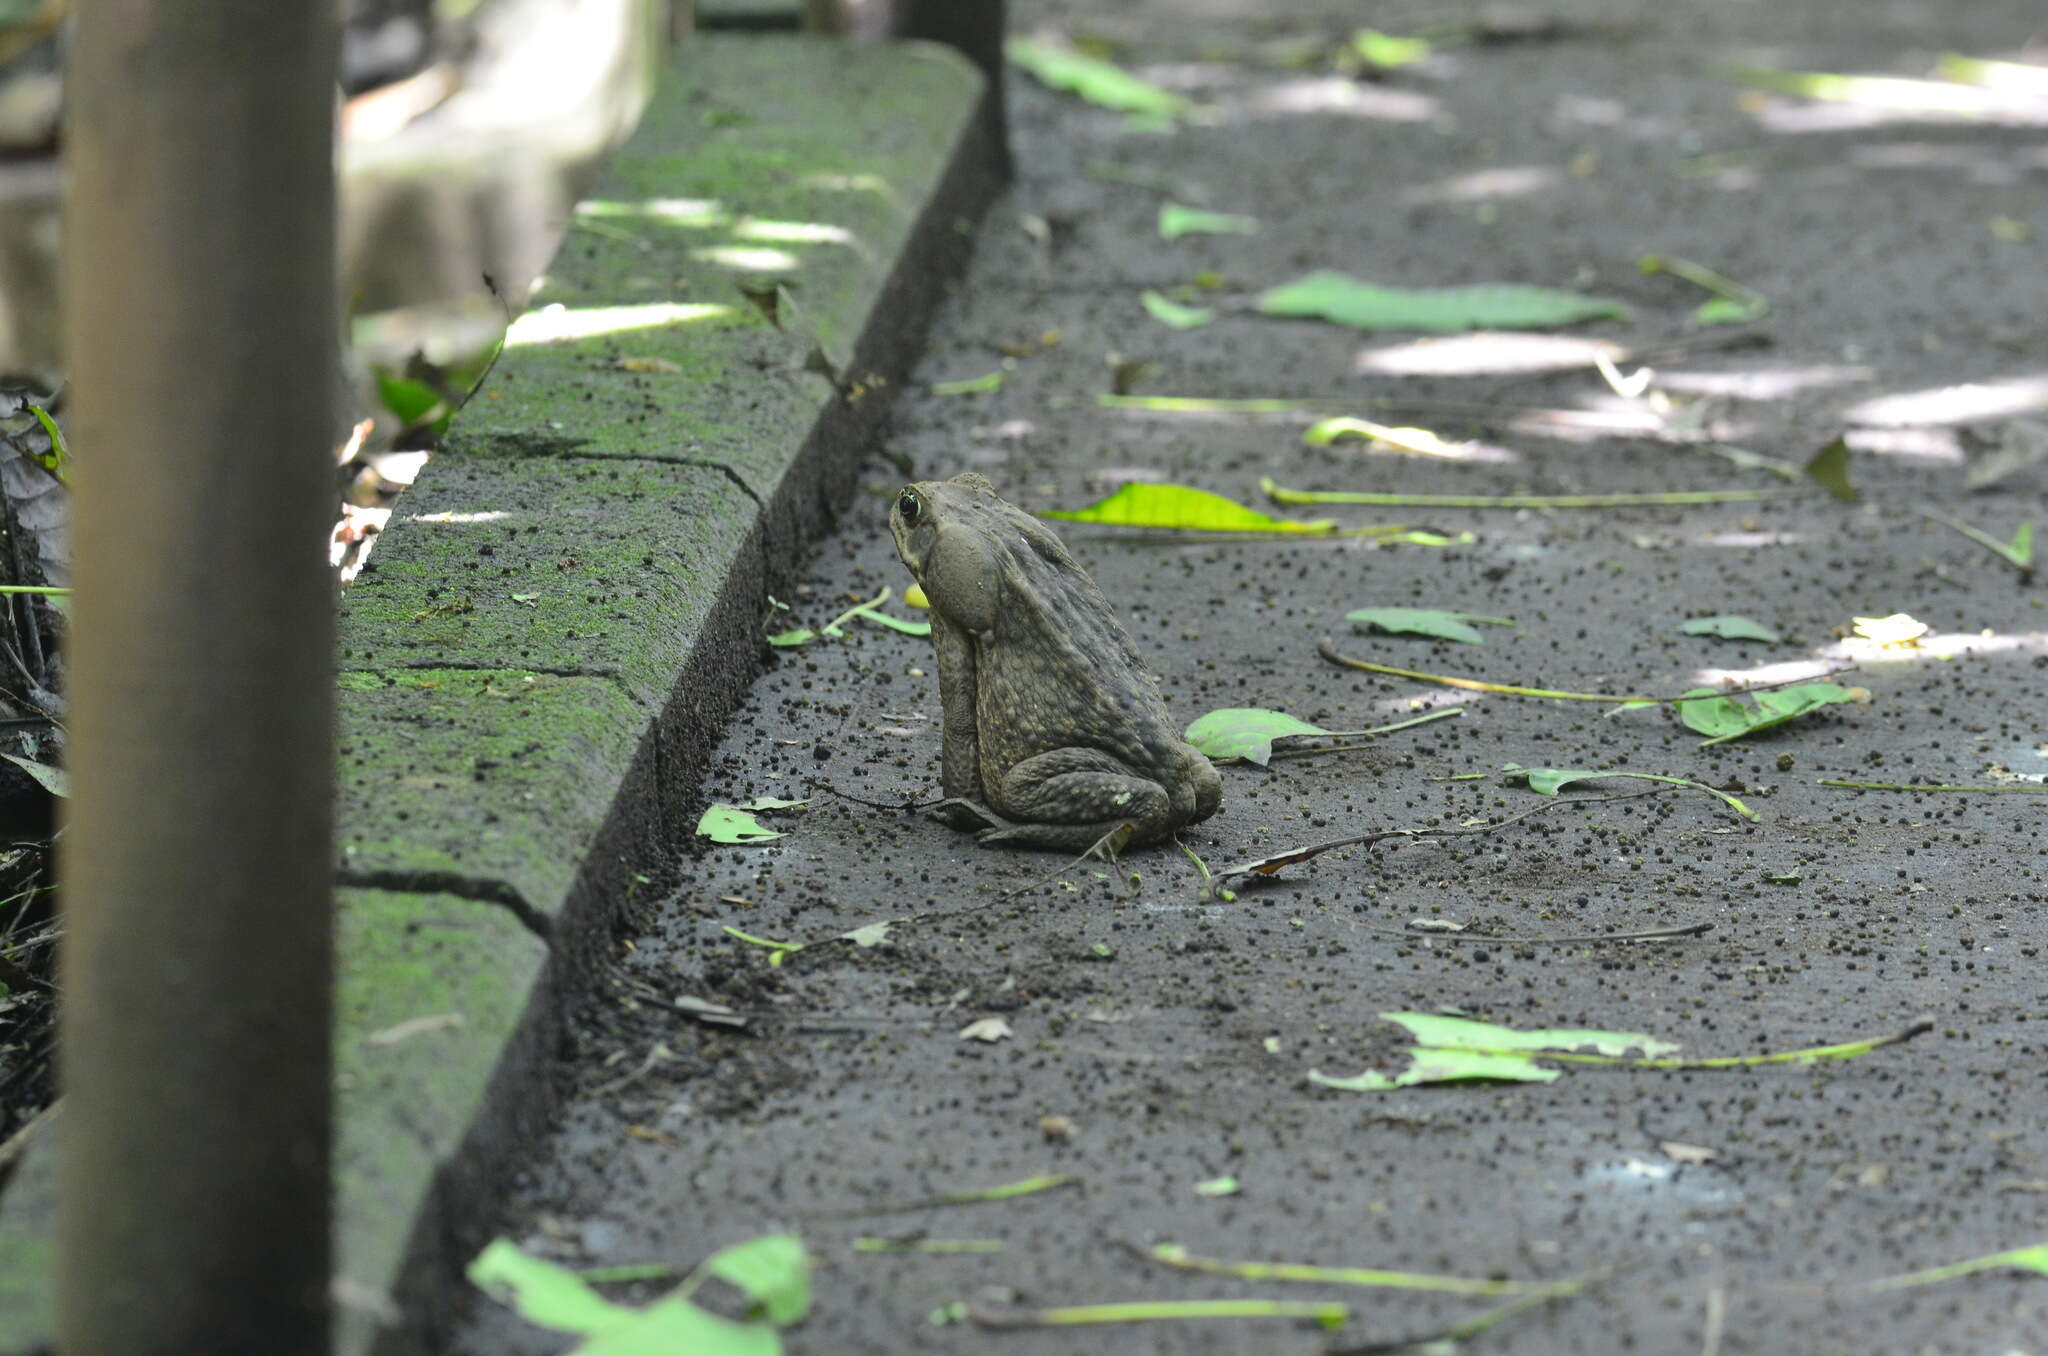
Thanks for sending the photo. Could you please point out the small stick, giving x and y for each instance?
(2030, 790)
(1651, 499)
(1647, 935)
(1266, 866)
(1330, 652)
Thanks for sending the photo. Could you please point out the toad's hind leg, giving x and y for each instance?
(1066, 799)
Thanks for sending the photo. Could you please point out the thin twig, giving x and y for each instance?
(2033, 789)
(1465, 1329)
(1578, 939)
(2003, 550)
(1266, 866)
(1329, 651)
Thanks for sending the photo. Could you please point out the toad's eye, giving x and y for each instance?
(910, 506)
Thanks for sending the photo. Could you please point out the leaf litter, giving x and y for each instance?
(1249, 733)
(772, 1274)
(1459, 1049)
(1344, 300)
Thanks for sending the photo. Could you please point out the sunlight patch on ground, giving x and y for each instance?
(791, 232)
(1834, 103)
(748, 258)
(1503, 181)
(1483, 352)
(1773, 383)
(1981, 165)
(694, 212)
(551, 323)
(1784, 671)
(486, 516)
(1955, 404)
(1584, 426)
(1750, 540)
(1938, 446)
(1934, 645)
(1333, 95)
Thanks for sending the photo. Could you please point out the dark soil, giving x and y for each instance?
(1173, 1034)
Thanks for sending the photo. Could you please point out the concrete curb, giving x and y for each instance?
(537, 662)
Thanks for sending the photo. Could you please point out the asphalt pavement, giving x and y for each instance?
(1160, 1040)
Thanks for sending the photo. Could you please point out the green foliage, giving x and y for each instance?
(771, 1272)
(1099, 82)
(981, 385)
(1722, 718)
(1829, 469)
(1386, 51)
(1423, 621)
(1548, 781)
(1169, 312)
(1730, 628)
(1458, 1050)
(1345, 300)
(54, 780)
(1245, 732)
(723, 823)
(1185, 509)
(1176, 221)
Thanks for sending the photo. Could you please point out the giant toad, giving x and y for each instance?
(1054, 732)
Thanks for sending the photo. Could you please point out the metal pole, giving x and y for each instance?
(200, 324)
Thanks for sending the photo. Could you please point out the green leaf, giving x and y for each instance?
(783, 640)
(1728, 311)
(1345, 300)
(57, 461)
(1423, 621)
(1176, 221)
(1548, 781)
(1722, 718)
(1385, 51)
(1217, 1186)
(1184, 508)
(981, 385)
(771, 1271)
(1099, 82)
(769, 803)
(54, 780)
(1442, 1066)
(542, 1293)
(874, 934)
(908, 628)
(2021, 552)
(777, 950)
(405, 398)
(1829, 469)
(1730, 628)
(723, 823)
(1245, 732)
(676, 1327)
(1173, 313)
(1436, 1031)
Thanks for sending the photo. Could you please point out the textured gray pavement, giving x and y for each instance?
(1902, 254)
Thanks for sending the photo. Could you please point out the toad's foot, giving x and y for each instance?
(969, 816)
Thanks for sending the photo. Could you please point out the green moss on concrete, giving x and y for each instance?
(562, 530)
(561, 564)
(430, 991)
(499, 776)
(428, 994)
(28, 1249)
